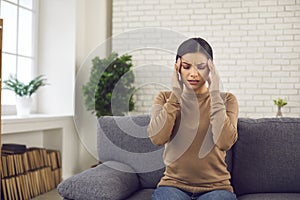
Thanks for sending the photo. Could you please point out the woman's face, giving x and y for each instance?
(194, 69)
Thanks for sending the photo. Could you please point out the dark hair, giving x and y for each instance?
(193, 45)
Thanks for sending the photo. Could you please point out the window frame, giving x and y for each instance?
(11, 109)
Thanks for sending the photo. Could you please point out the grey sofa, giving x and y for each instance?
(264, 162)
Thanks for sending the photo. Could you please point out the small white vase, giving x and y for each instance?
(279, 113)
(23, 105)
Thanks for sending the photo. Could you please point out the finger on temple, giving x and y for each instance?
(178, 63)
(209, 80)
(176, 66)
(210, 65)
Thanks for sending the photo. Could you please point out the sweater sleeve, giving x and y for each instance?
(163, 116)
(224, 119)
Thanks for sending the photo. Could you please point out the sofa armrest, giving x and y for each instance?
(109, 180)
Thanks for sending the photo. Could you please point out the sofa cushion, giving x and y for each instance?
(271, 196)
(266, 156)
(125, 139)
(106, 181)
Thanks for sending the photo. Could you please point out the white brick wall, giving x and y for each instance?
(256, 47)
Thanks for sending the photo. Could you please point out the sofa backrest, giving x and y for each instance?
(125, 139)
(266, 156)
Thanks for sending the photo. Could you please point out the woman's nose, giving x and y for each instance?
(194, 72)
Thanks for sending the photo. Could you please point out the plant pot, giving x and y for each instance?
(23, 105)
(279, 113)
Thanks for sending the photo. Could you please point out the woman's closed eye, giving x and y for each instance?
(201, 66)
(186, 65)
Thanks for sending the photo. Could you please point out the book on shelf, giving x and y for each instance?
(54, 159)
(16, 148)
(28, 172)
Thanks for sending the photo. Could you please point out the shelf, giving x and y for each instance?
(49, 131)
(36, 122)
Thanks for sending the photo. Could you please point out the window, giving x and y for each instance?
(18, 52)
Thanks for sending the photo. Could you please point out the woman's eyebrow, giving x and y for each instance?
(187, 62)
(196, 64)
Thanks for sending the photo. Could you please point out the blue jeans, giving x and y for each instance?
(172, 193)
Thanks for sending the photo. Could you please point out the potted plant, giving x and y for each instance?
(23, 92)
(279, 103)
(110, 84)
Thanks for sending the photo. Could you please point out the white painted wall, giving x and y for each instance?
(256, 45)
(92, 29)
(56, 55)
(68, 31)
(93, 24)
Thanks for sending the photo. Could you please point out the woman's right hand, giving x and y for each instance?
(214, 79)
(177, 84)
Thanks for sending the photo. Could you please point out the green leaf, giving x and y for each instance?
(104, 75)
(280, 102)
(22, 89)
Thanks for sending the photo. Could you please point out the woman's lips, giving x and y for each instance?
(193, 82)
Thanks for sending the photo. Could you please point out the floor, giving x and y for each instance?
(52, 195)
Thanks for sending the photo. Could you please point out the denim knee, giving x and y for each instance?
(169, 193)
(218, 195)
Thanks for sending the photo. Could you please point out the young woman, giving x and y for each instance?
(197, 124)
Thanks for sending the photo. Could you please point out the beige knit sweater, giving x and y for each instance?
(207, 122)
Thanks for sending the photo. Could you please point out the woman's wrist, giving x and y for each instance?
(174, 98)
(214, 93)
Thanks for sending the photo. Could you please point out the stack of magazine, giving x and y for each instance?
(28, 172)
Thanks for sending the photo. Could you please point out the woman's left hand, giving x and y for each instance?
(214, 78)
